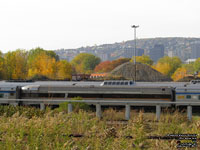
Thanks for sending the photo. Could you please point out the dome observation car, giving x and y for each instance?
(117, 83)
(195, 81)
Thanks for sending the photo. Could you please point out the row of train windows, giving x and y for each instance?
(118, 83)
(2, 94)
(189, 97)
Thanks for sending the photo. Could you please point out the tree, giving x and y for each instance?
(15, 64)
(118, 62)
(189, 67)
(179, 74)
(43, 65)
(33, 53)
(162, 68)
(104, 66)
(197, 65)
(64, 70)
(2, 70)
(168, 65)
(108, 66)
(85, 63)
(144, 59)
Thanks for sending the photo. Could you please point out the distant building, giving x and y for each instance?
(188, 61)
(98, 75)
(130, 52)
(80, 77)
(103, 55)
(156, 52)
(139, 52)
(195, 51)
(170, 53)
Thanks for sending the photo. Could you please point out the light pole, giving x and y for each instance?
(134, 26)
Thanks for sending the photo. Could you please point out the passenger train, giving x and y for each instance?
(107, 90)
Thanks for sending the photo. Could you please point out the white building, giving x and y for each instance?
(188, 61)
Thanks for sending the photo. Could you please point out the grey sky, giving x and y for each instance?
(55, 24)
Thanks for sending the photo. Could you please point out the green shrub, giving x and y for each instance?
(75, 106)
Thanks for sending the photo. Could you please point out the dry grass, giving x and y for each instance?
(60, 131)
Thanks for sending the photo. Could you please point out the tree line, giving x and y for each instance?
(172, 67)
(39, 63)
(22, 64)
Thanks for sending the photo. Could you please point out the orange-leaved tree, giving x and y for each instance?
(104, 66)
(108, 66)
(179, 73)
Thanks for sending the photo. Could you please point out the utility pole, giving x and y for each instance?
(134, 26)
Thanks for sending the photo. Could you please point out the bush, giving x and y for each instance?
(75, 106)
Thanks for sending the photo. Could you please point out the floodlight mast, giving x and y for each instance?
(134, 26)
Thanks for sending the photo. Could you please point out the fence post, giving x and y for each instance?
(42, 106)
(127, 112)
(69, 107)
(158, 110)
(189, 112)
(98, 110)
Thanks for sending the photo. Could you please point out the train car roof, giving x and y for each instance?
(87, 83)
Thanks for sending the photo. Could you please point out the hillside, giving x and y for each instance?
(175, 46)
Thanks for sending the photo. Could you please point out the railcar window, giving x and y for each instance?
(1, 95)
(105, 83)
(126, 83)
(109, 83)
(199, 97)
(122, 83)
(131, 83)
(188, 96)
(118, 83)
(114, 83)
(11, 94)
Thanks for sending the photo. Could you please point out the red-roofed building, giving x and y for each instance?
(98, 75)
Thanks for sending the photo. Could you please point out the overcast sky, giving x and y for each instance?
(55, 24)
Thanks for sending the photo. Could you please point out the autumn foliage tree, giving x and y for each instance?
(64, 70)
(144, 59)
(15, 64)
(179, 74)
(119, 61)
(104, 66)
(33, 53)
(197, 65)
(43, 65)
(21, 64)
(108, 66)
(167, 65)
(2, 70)
(85, 63)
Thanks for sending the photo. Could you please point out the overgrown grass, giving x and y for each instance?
(30, 128)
